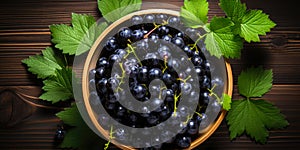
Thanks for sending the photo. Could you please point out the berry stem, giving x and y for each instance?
(198, 114)
(194, 46)
(184, 80)
(212, 93)
(165, 65)
(175, 102)
(133, 51)
(110, 138)
(155, 27)
(160, 91)
(189, 117)
(122, 77)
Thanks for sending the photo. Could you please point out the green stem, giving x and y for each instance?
(110, 138)
(194, 46)
(155, 27)
(133, 51)
(214, 94)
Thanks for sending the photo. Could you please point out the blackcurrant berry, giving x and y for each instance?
(183, 141)
(137, 35)
(111, 44)
(163, 30)
(60, 133)
(174, 20)
(125, 33)
(178, 41)
(149, 18)
(102, 86)
(143, 74)
(135, 20)
(161, 18)
(155, 73)
(192, 127)
(139, 91)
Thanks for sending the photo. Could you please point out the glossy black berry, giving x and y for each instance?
(139, 91)
(169, 95)
(137, 35)
(155, 73)
(183, 141)
(59, 134)
(178, 41)
(111, 44)
(167, 38)
(163, 30)
(149, 18)
(114, 58)
(168, 78)
(192, 127)
(174, 20)
(102, 86)
(152, 119)
(125, 33)
(197, 60)
(120, 111)
(143, 74)
(135, 20)
(165, 112)
(161, 18)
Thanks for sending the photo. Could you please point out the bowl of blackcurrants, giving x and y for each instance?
(149, 83)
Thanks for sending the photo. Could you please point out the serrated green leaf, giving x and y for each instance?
(44, 65)
(254, 117)
(71, 116)
(234, 9)
(226, 102)
(253, 24)
(189, 19)
(80, 37)
(113, 10)
(194, 13)
(59, 87)
(248, 24)
(254, 82)
(221, 41)
(90, 37)
(80, 136)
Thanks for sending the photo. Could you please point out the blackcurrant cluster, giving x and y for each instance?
(154, 37)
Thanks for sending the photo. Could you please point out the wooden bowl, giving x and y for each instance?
(90, 64)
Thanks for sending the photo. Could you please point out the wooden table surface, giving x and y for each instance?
(29, 123)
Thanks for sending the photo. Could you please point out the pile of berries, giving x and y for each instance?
(142, 53)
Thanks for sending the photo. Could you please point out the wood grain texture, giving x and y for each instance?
(29, 123)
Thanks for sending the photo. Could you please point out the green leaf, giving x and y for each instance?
(234, 9)
(254, 117)
(44, 65)
(59, 87)
(226, 102)
(221, 41)
(80, 36)
(190, 19)
(254, 82)
(113, 10)
(248, 24)
(71, 116)
(253, 24)
(194, 13)
(90, 37)
(80, 136)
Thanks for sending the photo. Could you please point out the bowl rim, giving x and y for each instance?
(87, 66)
